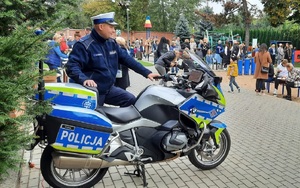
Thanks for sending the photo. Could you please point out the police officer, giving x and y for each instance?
(94, 62)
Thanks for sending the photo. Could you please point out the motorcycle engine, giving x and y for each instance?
(174, 140)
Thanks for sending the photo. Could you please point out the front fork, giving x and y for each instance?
(215, 128)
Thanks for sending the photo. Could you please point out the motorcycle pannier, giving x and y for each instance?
(77, 129)
(70, 94)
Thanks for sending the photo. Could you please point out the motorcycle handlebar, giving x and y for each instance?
(166, 76)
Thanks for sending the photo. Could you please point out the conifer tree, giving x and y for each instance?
(182, 29)
(20, 51)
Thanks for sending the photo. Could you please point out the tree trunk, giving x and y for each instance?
(247, 21)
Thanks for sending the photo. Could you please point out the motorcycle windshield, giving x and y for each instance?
(200, 63)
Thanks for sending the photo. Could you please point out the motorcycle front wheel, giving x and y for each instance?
(68, 178)
(207, 157)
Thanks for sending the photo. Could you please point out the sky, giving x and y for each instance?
(217, 7)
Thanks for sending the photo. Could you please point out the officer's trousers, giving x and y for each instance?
(117, 97)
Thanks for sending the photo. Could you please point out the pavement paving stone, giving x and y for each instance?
(264, 152)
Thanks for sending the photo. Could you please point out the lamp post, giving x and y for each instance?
(127, 14)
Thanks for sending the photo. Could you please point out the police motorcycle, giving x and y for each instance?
(81, 140)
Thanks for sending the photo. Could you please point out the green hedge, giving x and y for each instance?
(268, 35)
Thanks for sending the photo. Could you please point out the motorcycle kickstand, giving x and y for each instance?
(139, 172)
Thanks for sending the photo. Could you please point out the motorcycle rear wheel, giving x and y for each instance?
(206, 160)
(68, 178)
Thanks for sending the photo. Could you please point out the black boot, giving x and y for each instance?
(289, 98)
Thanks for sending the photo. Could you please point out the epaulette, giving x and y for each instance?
(86, 41)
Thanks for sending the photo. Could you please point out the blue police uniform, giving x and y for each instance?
(96, 58)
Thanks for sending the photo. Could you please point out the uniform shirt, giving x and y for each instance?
(96, 58)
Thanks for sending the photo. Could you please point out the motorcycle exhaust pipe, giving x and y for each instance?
(80, 161)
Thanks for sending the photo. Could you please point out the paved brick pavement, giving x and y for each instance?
(265, 150)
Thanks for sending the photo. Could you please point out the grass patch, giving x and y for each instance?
(297, 65)
(146, 64)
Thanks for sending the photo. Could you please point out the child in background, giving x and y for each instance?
(232, 72)
(131, 50)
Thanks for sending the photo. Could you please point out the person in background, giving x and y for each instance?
(292, 81)
(69, 41)
(77, 37)
(142, 48)
(205, 47)
(39, 31)
(135, 50)
(193, 45)
(262, 59)
(242, 52)
(280, 53)
(199, 53)
(226, 55)
(209, 58)
(148, 48)
(173, 46)
(137, 45)
(54, 56)
(287, 52)
(63, 44)
(186, 44)
(245, 49)
(122, 79)
(271, 74)
(187, 63)
(220, 48)
(131, 50)
(290, 52)
(178, 45)
(273, 52)
(174, 69)
(219, 52)
(235, 50)
(232, 73)
(154, 49)
(200, 44)
(281, 75)
(293, 49)
(93, 62)
(164, 62)
(199, 49)
(87, 30)
(255, 49)
(163, 47)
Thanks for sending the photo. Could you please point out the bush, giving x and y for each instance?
(267, 35)
(20, 51)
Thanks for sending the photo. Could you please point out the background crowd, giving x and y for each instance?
(167, 52)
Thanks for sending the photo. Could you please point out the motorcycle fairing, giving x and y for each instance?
(154, 95)
(160, 113)
(217, 129)
(77, 129)
(70, 94)
(201, 109)
(221, 99)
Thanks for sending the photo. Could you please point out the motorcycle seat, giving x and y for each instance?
(120, 115)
